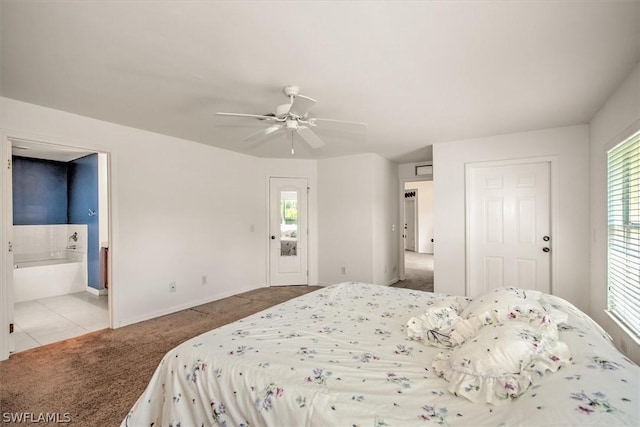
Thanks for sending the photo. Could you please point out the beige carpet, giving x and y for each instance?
(418, 272)
(96, 378)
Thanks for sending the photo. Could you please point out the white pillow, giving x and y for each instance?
(436, 325)
(509, 304)
(500, 362)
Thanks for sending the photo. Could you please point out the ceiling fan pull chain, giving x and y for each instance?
(292, 152)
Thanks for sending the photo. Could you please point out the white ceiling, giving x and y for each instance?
(417, 73)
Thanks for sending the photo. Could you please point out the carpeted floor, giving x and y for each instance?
(95, 379)
(418, 272)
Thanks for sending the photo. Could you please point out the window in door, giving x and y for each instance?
(289, 223)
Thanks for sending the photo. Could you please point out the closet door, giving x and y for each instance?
(508, 227)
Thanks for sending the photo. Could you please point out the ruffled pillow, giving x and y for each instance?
(437, 325)
(500, 362)
(508, 304)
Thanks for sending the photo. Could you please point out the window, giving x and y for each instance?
(623, 178)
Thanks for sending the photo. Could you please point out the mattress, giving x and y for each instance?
(342, 356)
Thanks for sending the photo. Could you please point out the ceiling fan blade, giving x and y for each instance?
(310, 137)
(257, 137)
(356, 126)
(253, 116)
(301, 105)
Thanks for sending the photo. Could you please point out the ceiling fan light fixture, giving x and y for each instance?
(291, 124)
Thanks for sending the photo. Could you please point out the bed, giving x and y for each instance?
(358, 354)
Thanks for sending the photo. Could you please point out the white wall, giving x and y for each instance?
(568, 149)
(179, 210)
(617, 118)
(344, 219)
(357, 207)
(386, 223)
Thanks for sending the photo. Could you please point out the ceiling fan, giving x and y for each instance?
(294, 117)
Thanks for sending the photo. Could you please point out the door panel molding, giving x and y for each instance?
(522, 267)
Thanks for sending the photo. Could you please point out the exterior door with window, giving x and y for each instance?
(509, 227)
(288, 252)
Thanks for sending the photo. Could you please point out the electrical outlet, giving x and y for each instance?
(172, 287)
(203, 279)
(343, 270)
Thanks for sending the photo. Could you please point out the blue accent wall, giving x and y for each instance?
(39, 191)
(83, 198)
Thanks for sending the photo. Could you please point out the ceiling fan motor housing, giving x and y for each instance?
(291, 90)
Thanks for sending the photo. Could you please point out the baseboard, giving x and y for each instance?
(97, 292)
(392, 281)
(186, 306)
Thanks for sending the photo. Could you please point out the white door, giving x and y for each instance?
(509, 226)
(7, 343)
(410, 224)
(288, 231)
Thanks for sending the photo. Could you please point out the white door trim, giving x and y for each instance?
(6, 225)
(306, 247)
(553, 214)
(403, 181)
(6, 280)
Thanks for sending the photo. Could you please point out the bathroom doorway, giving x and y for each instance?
(60, 241)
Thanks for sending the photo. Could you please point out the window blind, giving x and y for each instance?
(623, 177)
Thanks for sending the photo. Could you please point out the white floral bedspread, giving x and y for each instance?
(340, 356)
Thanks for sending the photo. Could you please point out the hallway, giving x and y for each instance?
(418, 272)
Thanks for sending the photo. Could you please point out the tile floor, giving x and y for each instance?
(47, 320)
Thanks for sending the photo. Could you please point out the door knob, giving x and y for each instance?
(546, 238)
(545, 249)
(273, 237)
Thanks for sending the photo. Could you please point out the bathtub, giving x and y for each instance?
(51, 274)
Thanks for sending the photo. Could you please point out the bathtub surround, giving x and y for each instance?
(49, 260)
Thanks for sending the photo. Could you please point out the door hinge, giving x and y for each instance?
(10, 247)
(8, 163)
(10, 328)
